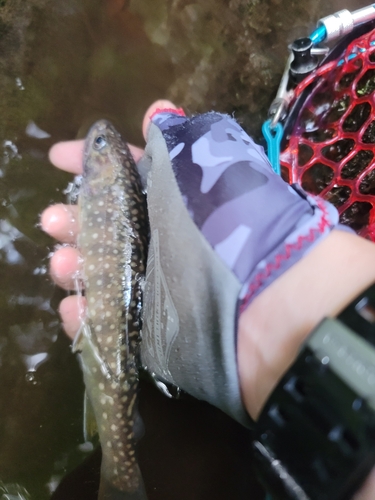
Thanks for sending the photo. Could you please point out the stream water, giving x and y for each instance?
(63, 65)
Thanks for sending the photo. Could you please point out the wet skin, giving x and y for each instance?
(267, 344)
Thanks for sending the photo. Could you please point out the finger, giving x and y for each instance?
(367, 492)
(72, 312)
(65, 265)
(157, 105)
(68, 155)
(61, 222)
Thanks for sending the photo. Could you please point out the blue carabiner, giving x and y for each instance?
(273, 137)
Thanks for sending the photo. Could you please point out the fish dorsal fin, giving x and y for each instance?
(90, 428)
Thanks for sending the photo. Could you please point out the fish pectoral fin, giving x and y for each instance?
(84, 331)
(90, 428)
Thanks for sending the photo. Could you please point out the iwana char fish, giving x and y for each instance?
(113, 242)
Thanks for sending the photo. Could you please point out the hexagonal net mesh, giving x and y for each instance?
(331, 148)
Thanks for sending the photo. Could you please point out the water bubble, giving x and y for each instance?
(32, 130)
(357, 404)
(86, 447)
(19, 83)
(40, 270)
(10, 151)
(30, 378)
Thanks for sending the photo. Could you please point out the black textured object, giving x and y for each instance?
(315, 438)
(304, 62)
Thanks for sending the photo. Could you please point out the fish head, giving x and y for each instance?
(104, 149)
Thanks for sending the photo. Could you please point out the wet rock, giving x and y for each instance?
(229, 56)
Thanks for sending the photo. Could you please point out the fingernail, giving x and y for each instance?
(176, 111)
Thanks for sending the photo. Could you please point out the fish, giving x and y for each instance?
(113, 242)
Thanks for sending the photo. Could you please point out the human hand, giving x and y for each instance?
(266, 343)
(61, 222)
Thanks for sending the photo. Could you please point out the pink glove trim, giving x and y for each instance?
(324, 224)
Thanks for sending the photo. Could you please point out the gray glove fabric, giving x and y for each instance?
(223, 227)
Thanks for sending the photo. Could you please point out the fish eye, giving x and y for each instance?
(99, 142)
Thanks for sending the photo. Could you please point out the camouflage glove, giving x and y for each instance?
(223, 227)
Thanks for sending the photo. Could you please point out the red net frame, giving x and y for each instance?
(331, 148)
